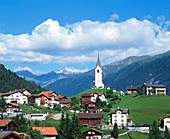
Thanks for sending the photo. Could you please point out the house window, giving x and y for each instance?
(122, 116)
(115, 120)
(167, 121)
(115, 116)
(122, 120)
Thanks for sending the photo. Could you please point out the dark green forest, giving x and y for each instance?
(9, 81)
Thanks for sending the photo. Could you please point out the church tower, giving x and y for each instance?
(98, 75)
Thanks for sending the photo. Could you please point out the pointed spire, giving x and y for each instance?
(98, 62)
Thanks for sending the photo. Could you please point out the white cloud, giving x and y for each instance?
(114, 17)
(81, 41)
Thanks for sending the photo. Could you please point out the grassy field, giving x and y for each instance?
(135, 135)
(90, 91)
(144, 109)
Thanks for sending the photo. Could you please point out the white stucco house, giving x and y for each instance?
(15, 97)
(167, 121)
(119, 116)
(153, 89)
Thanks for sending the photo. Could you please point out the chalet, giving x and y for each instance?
(65, 104)
(8, 125)
(91, 97)
(62, 98)
(131, 89)
(92, 134)
(119, 116)
(91, 107)
(15, 97)
(12, 135)
(45, 99)
(167, 121)
(153, 89)
(91, 119)
(47, 132)
(24, 91)
(12, 107)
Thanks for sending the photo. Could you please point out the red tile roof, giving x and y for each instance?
(4, 122)
(8, 93)
(47, 130)
(61, 96)
(47, 93)
(14, 104)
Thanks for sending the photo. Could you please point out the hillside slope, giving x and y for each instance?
(144, 109)
(10, 81)
(153, 70)
(76, 84)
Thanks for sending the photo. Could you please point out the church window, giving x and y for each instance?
(97, 71)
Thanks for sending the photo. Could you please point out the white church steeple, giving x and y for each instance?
(98, 75)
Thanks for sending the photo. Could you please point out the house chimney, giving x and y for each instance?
(42, 130)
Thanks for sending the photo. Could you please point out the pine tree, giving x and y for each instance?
(67, 127)
(61, 134)
(76, 128)
(115, 132)
(154, 132)
(2, 105)
(167, 135)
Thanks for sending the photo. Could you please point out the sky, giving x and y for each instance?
(47, 35)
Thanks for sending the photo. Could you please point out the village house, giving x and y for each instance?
(45, 99)
(153, 89)
(119, 116)
(91, 97)
(91, 107)
(47, 132)
(12, 135)
(65, 104)
(91, 119)
(167, 121)
(15, 97)
(131, 89)
(92, 134)
(12, 107)
(62, 98)
(24, 91)
(8, 125)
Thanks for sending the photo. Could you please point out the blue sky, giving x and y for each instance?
(46, 35)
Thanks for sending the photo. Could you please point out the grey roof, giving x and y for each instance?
(4, 133)
(124, 111)
(154, 85)
(64, 102)
(98, 62)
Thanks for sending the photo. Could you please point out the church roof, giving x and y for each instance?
(98, 62)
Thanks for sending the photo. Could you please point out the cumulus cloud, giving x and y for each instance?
(80, 42)
(114, 17)
(22, 69)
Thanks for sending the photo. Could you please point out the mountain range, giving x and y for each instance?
(134, 71)
(50, 77)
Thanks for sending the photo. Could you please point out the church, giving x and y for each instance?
(98, 75)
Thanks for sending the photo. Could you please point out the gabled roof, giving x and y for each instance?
(47, 93)
(92, 129)
(14, 104)
(154, 85)
(47, 130)
(98, 62)
(124, 111)
(5, 122)
(21, 90)
(90, 115)
(131, 87)
(61, 96)
(11, 92)
(4, 133)
(168, 116)
(91, 94)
